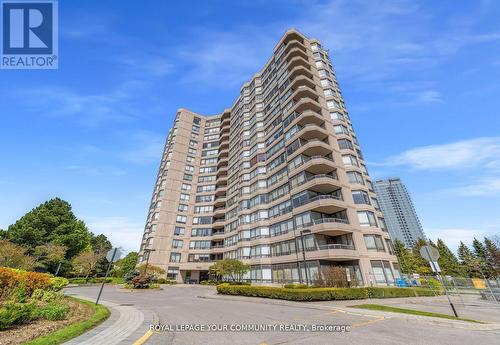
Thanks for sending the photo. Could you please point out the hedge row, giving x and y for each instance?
(321, 294)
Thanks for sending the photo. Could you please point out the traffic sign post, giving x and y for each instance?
(431, 254)
(113, 255)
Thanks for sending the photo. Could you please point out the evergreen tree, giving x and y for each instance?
(493, 258)
(423, 266)
(467, 260)
(479, 249)
(447, 261)
(406, 260)
(51, 222)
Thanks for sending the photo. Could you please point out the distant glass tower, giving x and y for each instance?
(400, 216)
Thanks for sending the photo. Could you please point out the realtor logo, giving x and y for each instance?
(29, 34)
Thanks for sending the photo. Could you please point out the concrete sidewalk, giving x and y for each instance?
(125, 325)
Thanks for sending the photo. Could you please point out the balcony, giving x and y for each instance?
(300, 71)
(219, 211)
(294, 40)
(313, 147)
(313, 131)
(220, 190)
(298, 61)
(293, 52)
(305, 104)
(218, 223)
(219, 201)
(322, 203)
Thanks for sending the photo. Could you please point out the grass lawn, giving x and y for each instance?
(101, 313)
(409, 311)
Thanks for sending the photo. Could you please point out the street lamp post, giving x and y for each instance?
(306, 267)
(148, 251)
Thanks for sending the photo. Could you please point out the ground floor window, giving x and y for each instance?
(172, 273)
(382, 272)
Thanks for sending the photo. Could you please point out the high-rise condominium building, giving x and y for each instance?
(401, 218)
(278, 172)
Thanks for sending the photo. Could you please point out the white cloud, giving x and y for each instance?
(88, 109)
(484, 187)
(478, 153)
(121, 231)
(145, 147)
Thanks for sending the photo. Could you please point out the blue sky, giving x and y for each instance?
(420, 79)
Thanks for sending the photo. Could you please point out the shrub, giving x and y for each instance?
(333, 276)
(295, 286)
(37, 295)
(321, 294)
(391, 292)
(131, 275)
(294, 294)
(8, 278)
(57, 283)
(52, 311)
(210, 282)
(141, 282)
(16, 314)
(34, 280)
(18, 295)
(433, 284)
(51, 296)
(165, 281)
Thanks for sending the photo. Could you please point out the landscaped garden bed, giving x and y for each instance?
(321, 293)
(32, 306)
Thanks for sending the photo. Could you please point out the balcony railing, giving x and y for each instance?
(330, 220)
(335, 246)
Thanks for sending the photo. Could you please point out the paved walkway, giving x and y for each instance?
(122, 327)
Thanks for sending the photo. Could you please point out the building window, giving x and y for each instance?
(382, 225)
(374, 243)
(179, 231)
(184, 197)
(355, 177)
(186, 187)
(349, 160)
(172, 273)
(188, 177)
(345, 144)
(177, 243)
(175, 257)
(182, 208)
(181, 219)
(366, 218)
(360, 197)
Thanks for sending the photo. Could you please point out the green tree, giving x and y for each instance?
(84, 264)
(49, 256)
(101, 245)
(493, 258)
(423, 266)
(231, 269)
(406, 260)
(447, 261)
(51, 222)
(14, 256)
(468, 261)
(125, 265)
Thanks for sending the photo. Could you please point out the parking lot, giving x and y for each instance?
(180, 309)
